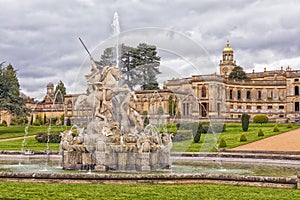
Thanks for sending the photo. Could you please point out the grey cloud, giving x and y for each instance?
(40, 38)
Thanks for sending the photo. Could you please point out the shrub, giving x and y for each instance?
(290, 125)
(54, 137)
(197, 137)
(243, 138)
(222, 143)
(245, 122)
(276, 129)
(260, 133)
(260, 119)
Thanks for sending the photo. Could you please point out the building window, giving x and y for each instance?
(296, 80)
(185, 109)
(248, 95)
(239, 94)
(248, 107)
(203, 109)
(258, 107)
(203, 91)
(297, 106)
(281, 116)
(296, 90)
(270, 107)
(281, 107)
(259, 94)
(230, 94)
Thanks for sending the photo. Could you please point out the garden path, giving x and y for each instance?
(288, 141)
(17, 138)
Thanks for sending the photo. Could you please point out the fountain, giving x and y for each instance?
(115, 138)
(112, 141)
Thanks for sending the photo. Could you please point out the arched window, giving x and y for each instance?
(230, 94)
(203, 91)
(248, 95)
(239, 94)
(297, 90)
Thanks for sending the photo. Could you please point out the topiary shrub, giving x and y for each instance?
(243, 138)
(222, 143)
(197, 137)
(276, 129)
(260, 119)
(290, 125)
(245, 122)
(260, 133)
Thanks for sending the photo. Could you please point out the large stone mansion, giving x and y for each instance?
(273, 93)
(202, 97)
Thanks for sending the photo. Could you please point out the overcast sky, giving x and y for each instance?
(40, 37)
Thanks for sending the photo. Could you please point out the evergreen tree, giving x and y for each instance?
(138, 66)
(108, 58)
(238, 73)
(147, 62)
(60, 91)
(10, 91)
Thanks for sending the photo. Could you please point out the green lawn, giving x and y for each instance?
(19, 190)
(19, 131)
(207, 143)
(232, 137)
(30, 143)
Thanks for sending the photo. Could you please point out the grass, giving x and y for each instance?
(30, 143)
(19, 131)
(231, 136)
(207, 142)
(19, 190)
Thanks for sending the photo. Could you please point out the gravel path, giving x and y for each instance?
(288, 141)
(16, 138)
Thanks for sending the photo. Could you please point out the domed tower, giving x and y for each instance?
(227, 63)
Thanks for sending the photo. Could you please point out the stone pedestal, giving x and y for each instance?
(131, 161)
(122, 161)
(144, 162)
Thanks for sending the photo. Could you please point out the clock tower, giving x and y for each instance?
(227, 63)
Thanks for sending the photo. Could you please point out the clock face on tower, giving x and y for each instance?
(225, 70)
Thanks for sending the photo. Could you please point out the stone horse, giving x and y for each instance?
(101, 93)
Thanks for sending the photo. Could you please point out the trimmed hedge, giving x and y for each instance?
(260, 119)
(54, 137)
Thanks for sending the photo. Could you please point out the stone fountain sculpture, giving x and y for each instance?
(115, 138)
